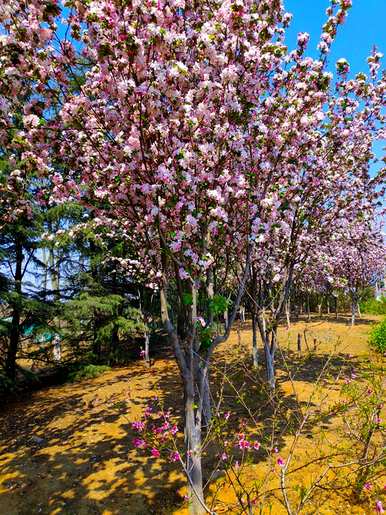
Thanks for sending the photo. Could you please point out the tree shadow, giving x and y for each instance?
(67, 451)
(68, 448)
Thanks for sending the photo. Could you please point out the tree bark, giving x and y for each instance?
(14, 337)
(193, 454)
(288, 313)
(308, 309)
(147, 355)
(353, 312)
(270, 364)
(255, 354)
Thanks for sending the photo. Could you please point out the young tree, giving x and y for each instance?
(195, 133)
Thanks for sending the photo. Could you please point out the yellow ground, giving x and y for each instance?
(67, 449)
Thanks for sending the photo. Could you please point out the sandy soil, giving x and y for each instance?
(67, 449)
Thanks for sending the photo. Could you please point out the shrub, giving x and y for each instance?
(87, 372)
(374, 307)
(378, 337)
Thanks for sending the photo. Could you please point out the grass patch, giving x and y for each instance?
(87, 372)
(374, 307)
(378, 337)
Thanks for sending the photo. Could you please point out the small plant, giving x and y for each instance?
(378, 337)
(87, 372)
(374, 306)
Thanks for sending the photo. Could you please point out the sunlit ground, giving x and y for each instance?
(67, 449)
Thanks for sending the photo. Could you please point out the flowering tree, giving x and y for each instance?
(358, 261)
(189, 129)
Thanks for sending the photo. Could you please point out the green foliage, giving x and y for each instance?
(378, 337)
(207, 334)
(87, 372)
(374, 307)
(187, 299)
(218, 304)
(102, 321)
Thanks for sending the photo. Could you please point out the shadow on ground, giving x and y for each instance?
(67, 449)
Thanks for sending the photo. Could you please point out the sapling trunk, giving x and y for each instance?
(299, 342)
(288, 313)
(255, 354)
(353, 313)
(269, 350)
(270, 364)
(147, 354)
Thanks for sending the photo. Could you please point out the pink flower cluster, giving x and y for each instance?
(157, 433)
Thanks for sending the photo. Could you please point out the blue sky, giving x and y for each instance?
(364, 27)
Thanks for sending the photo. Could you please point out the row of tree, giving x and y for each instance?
(175, 159)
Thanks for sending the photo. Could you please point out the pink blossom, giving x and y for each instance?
(379, 507)
(200, 320)
(244, 444)
(280, 462)
(367, 486)
(303, 38)
(155, 453)
(139, 443)
(183, 274)
(138, 425)
(174, 456)
(31, 120)
(256, 445)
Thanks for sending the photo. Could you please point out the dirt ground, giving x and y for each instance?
(67, 449)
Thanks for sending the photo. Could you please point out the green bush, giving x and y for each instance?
(378, 337)
(374, 307)
(87, 372)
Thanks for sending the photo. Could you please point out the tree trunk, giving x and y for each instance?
(193, 452)
(359, 310)
(328, 305)
(308, 309)
(353, 312)
(288, 313)
(270, 364)
(206, 401)
(255, 354)
(14, 337)
(147, 355)
(336, 307)
(269, 350)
